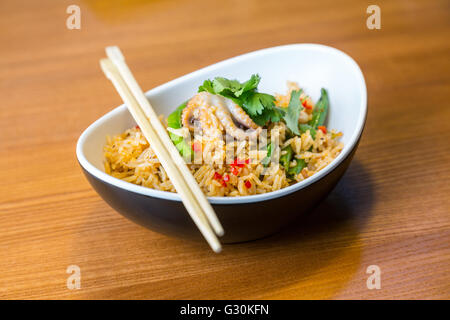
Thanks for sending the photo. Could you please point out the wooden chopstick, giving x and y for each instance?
(116, 56)
(177, 179)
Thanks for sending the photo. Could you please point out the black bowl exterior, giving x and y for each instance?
(242, 222)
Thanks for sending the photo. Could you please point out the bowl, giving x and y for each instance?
(244, 218)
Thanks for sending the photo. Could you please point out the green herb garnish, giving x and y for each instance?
(174, 121)
(293, 112)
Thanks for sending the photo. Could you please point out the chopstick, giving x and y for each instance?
(183, 188)
(116, 56)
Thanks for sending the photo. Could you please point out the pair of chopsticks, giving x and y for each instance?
(182, 179)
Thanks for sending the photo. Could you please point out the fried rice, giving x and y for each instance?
(128, 156)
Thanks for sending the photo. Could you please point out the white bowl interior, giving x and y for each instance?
(312, 66)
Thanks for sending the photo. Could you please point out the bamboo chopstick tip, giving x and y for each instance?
(114, 53)
(105, 64)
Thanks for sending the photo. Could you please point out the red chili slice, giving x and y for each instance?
(238, 163)
(196, 147)
(322, 128)
(248, 184)
(306, 105)
(226, 178)
(217, 176)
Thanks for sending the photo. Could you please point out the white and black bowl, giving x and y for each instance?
(251, 217)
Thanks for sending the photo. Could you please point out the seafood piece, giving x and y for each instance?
(214, 113)
(304, 117)
(203, 116)
(239, 115)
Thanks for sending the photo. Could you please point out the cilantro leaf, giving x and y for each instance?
(276, 115)
(293, 112)
(206, 86)
(249, 85)
(261, 119)
(225, 86)
(255, 103)
(272, 115)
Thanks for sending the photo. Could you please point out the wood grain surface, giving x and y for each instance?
(391, 209)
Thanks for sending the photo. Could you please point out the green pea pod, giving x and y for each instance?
(299, 165)
(306, 127)
(285, 159)
(266, 161)
(320, 110)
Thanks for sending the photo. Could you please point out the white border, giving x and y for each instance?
(242, 199)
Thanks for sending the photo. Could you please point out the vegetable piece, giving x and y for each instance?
(299, 165)
(218, 177)
(322, 128)
(238, 163)
(229, 88)
(285, 159)
(197, 146)
(306, 127)
(234, 87)
(248, 184)
(320, 111)
(272, 115)
(266, 161)
(185, 149)
(293, 112)
(306, 105)
(254, 103)
(174, 121)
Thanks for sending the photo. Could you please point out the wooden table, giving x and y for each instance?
(391, 209)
